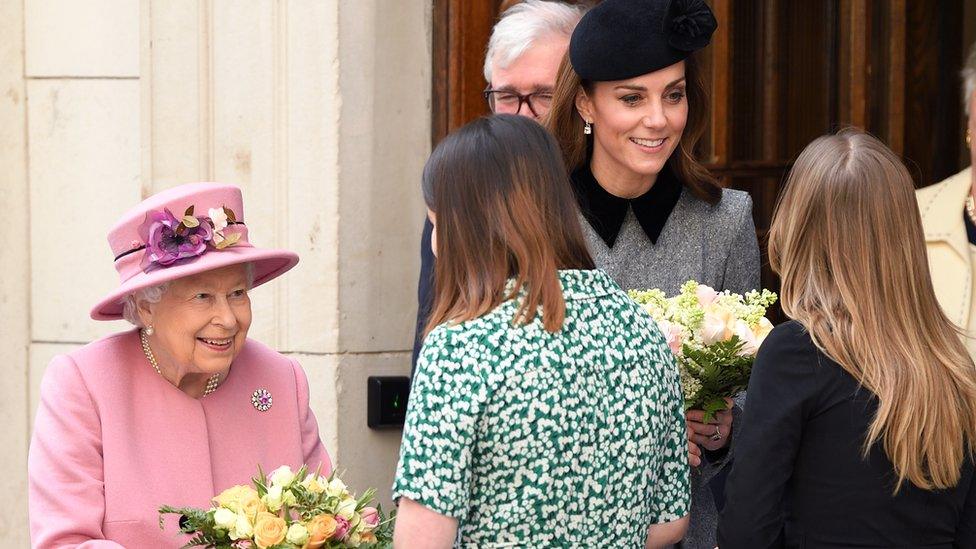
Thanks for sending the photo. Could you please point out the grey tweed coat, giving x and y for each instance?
(713, 244)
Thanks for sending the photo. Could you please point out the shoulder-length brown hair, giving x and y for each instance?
(847, 241)
(505, 209)
(565, 122)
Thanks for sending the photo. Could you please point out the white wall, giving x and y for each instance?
(320, 110)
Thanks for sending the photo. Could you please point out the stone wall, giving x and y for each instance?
(320, 110)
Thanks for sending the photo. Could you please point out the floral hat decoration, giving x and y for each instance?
(152, 245)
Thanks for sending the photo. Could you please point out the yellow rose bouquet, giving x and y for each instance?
(714, 337)
(286, 510)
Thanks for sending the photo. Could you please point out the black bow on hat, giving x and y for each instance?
(689, 24)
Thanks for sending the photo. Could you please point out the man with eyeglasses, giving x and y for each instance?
(524, 51)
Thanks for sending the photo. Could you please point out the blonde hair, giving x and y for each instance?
(846, 239)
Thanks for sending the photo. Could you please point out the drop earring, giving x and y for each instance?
(150, 331)
(587, 128)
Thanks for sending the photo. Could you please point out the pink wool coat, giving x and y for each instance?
(113, 441)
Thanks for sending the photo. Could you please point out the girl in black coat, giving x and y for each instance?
(860, 428)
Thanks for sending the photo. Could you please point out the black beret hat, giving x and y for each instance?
(620, 39)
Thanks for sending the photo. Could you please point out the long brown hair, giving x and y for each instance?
(565, 122)
(847, 240)
(505, 209)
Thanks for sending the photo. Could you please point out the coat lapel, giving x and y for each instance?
(947, 245)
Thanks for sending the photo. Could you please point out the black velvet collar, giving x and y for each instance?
(605, 212)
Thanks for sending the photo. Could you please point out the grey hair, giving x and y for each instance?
(969, 78)
(130, 303)
(524, 23)
(152, 294)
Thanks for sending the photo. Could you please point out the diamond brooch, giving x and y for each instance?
(261, 399)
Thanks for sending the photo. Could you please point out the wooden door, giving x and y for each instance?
(783, 73)
(780, 73)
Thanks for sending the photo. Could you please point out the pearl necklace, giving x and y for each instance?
(971, 209)
(211, 383)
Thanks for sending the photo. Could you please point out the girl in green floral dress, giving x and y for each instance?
(546, 410)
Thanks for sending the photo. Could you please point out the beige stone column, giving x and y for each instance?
(320, 110)
(14, 275)
(82, 69)
(384, 138)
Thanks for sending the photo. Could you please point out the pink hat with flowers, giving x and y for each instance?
(183, 231)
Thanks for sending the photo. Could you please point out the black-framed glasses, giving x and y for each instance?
(507, 101)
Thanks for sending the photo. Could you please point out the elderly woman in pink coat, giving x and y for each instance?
(181, 407)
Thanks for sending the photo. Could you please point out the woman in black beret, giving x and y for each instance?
(628, 109)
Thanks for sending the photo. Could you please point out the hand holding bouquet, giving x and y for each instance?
(714, 337)
(286, 510)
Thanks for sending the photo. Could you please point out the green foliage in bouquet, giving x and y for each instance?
(709, 373)
(200, 523)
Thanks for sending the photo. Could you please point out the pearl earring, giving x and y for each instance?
(150, 331)
(587, 128)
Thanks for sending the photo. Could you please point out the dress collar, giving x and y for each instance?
(606, 212)
(578, 284)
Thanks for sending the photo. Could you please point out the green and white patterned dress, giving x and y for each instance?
(532, 439)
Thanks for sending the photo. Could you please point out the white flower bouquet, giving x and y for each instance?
(714, 337)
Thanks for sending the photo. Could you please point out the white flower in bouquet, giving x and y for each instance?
(315, 483)
(277, 497)
(654, 301)
(716, 326)
(225, 518)
(242, 527)
(336, 488)
(685, 309)
(762, 329)
(282, 476)
(689, 384)
(297, 534)
(750, 345)
(346, 509)
(273, 498)
(673, 334)
(705, 294)
(356, 523)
